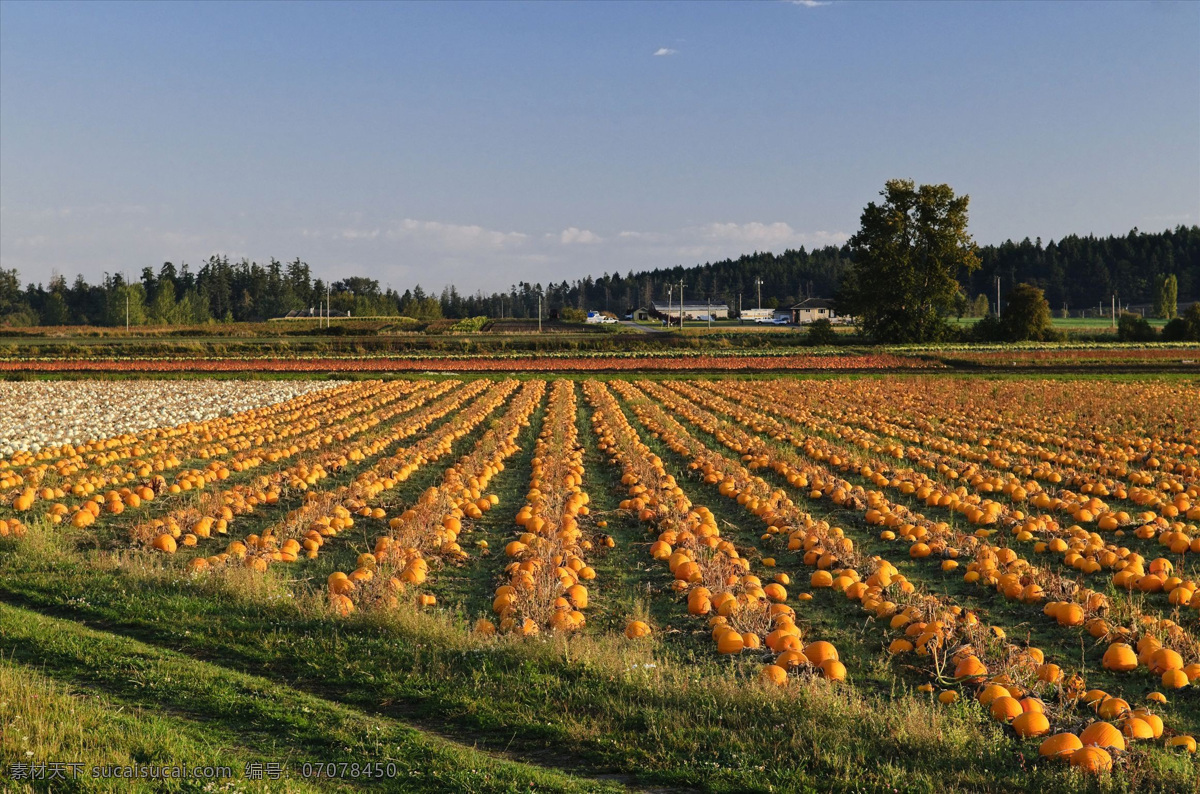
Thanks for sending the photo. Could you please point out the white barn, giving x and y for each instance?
(692, 310)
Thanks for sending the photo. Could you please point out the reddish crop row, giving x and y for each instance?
(671, 362)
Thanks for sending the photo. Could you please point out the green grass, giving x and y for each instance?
(170, 709)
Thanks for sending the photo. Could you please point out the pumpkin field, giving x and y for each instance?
(894, 582)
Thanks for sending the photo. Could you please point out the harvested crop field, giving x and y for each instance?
(892, 583)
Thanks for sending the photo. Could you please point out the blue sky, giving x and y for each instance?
(488, 143)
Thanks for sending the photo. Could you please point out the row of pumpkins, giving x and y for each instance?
(433, 524)
(1027, 715)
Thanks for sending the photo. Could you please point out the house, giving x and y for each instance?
(813, 309)
(692, 310)
(639, 316)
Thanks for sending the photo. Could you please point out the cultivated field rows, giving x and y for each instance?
(1016, 556)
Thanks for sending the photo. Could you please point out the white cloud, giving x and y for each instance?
(753, 233)
(454, 236)
(33, 241)
(573, 236)
(713, 241)
(808, 3)
(400, 251)
(358, 234)
(80, 212)
(173, 240)
(665, 51)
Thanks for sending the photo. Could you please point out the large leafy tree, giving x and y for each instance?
(1027, 315)
(908, 254)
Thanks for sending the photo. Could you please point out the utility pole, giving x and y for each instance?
(670, 290)
(710, 312)
(126, 308)
(681, 286)
(1114, 311)
(539, 312)
(997, 296)
(740, 320)
(758, 283)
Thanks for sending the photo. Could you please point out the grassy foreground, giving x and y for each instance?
(114, 660)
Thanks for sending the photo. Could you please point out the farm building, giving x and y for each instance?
(751, 315)
(813, 309)
(692, 310)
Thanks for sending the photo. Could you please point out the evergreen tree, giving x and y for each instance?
(162, 307)
(56, 311)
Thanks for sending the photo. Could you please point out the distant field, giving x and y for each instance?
(1097, 325)
(404, 331)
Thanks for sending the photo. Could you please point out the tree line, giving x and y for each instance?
(1075, 273)
(913, 253)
